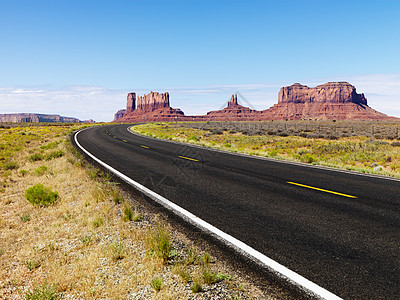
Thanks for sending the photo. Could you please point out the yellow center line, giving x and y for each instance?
(184, 157)
(322, 190)
(144, 146)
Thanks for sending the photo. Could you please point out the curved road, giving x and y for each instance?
(337, 229)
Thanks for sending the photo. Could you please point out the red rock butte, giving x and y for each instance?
(329, 101)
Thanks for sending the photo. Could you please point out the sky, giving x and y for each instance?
(81, 58)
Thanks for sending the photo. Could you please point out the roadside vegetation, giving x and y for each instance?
(368, 147)
(69, 232)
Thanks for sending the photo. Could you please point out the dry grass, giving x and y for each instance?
(84, 246)
(367, 147)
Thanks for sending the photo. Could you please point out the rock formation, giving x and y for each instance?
(233, 112)
(119, 114)
(150, 107)
(331, 92)
(39, 118)
(153, 101)
(332, 100)
(233, 102)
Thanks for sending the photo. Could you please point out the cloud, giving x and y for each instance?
(22, 91)
(83, 102)
(382, 92)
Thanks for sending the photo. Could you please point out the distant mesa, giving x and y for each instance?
(119, 114)
(332, 100)
(329, 101)
(38, 118)
(150, 107)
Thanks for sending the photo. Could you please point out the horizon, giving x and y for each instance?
(81, 59)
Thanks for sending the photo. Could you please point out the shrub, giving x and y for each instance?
(40, 195)
(51, 145)
(33, 264)
(92, 172)
(25, 217)
(86, 239)
(193, 138)
(217, 131)
(192, 257)
(117, 198)
(54, 154)
(11, 165)
(156, 283)
(182, 272)
(41, 170)
(196, 287)
(307, 158)
(128, 213)
(137, 217)
(35, 157)
(395, 144)
(42, 292)
(23, 172)
(206, 258)
(209, 276)
(158, 242)
(97, 222)
(117, 250)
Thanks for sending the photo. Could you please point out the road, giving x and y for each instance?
(339, 230)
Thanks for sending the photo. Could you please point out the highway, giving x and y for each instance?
(338, 229)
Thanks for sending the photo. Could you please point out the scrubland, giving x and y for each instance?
(83, 237)
(368, 147)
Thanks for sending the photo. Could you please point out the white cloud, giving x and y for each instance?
(382, 92)
(83, 102)
(22, 91)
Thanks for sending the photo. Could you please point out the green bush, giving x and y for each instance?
(196, 287)
(86, 239)
(11, 165)
(35, 157)
(33, 264)
(51, 145)
(193, 138)
(209, 276)
(41, 170)
(117, 250)
(54, 154)
(42, 292)
(25, 217)
(156, 283)
(40, 195)
(98, 221)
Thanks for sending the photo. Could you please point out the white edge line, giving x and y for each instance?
(277, 268)
(327, 168)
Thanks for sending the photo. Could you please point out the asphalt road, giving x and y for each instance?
(339, 230)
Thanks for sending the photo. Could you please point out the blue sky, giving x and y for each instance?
(80, 58)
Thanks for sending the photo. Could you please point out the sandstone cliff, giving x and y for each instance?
(331, 92)
(151, 107)
(119, 114)
(332, 100)
(39, 118)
